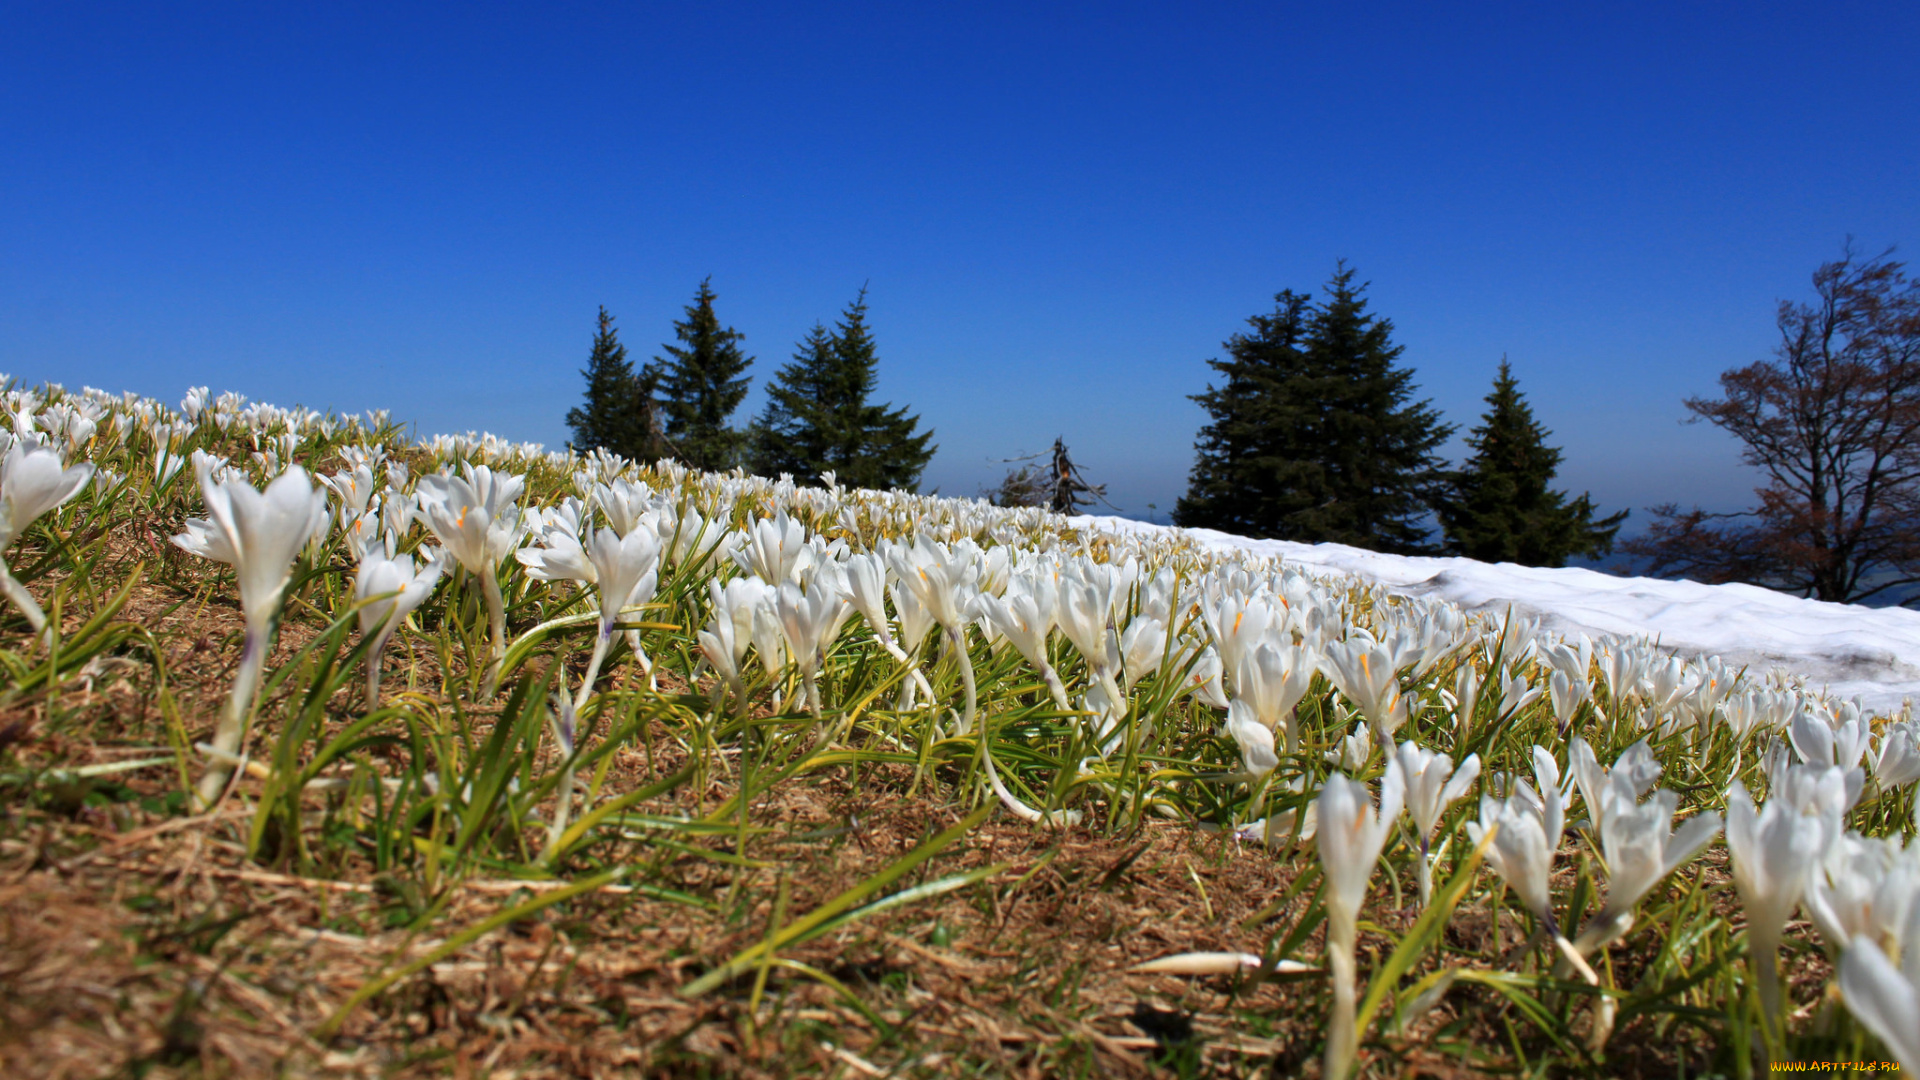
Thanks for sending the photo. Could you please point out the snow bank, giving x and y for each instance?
(1852, 651)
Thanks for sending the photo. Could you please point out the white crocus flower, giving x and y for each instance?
(1622, 666)
(1024, 616)
(353, 487)
(916, 621)
(1351, 836)
(167, 458)
(1085, 616)
(1635, 770)
(1433, 784)
(1530, 825)
(1106, 718)
(1143, 645)
(1550, 802)
(1354, 749)
(1520, 853)
(1364, 671)
(866, 577)
(1885, 997)
(943, 579)
(769, 639)
(1825, 794)
(624, 571)
(627, 571)
(1238, 623)
(1272, 678)
(33, 480)
(1773, 850)
(690, 539)
(476, 519)
(560, 557)
(1636, 839)
(1515, 694)
(1206, 679)
(1666, 682)
(811, 618)
(1568, 693)
(1843, 742)
(388, 589)
(568, 517)
(259, 534)
(1864, 885)
(725, 641)
(1896, 761)
(1465, 696)
(775, 550)
(624, 503)
(1641, 848)
(1253, 736)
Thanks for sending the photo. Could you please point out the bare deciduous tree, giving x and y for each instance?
(1833, 423)
(1058, 486)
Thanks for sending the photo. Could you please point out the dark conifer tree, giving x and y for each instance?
(1315, 436)
(791, 435)
(1376, 465)
(818, 418)
(700, 384)
(619, 413)
(1499, 507)
(1234, 484)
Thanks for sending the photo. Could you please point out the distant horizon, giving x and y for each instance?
(1060, 213)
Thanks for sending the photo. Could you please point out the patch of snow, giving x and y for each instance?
(1849, 650)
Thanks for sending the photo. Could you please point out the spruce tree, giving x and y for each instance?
(1499, 507)
(1237, 457)
(619, 411)
(791, 434)
(700, 384)
(1315, 436)
(818, 418)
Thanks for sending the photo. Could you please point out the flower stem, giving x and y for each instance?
(1343, 1041)
(600, 647)
(232, 729)
(22, 599)
(1763, 949)
(373, 666)
(564, 810)
(968, 722)
(496, 629)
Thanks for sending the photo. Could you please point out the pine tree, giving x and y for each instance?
(1315, 436)
(818, 419)
(1499, 506)
(619, 414)
(700, 385)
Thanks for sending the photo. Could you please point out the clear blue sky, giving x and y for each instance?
(1061, 210)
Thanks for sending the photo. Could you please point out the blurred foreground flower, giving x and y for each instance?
(1883, 997)
(1351, 836)
(1772, 850)
(259, 534)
